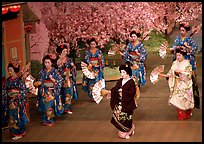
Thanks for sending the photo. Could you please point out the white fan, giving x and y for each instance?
(163, 50)
(89, 74)
(99, 91)
(29, 84)
(154, 76)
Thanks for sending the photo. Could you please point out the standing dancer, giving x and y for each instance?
(136, 54)
(123, 103)
(95, 60)
(68, 71)
(49, 87)
(180, 84)
(14, 102)
(185, 42)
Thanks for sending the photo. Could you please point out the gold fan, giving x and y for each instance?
(99, 91)
(89, 74)
(154, 76)
(29, 84)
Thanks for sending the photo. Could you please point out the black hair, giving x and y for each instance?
(60, 48)
(16, 69)
(187, 28)
(126, 68)
(181, 51)
(92, 39)
(53, 61)
(136, 33)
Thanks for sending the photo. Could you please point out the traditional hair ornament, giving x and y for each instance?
(51, 55)
(93, 37)
(185, 24)
(62, 46)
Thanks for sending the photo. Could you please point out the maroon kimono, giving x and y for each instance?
(123, 106)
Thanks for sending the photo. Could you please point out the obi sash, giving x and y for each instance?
(65, 70)
(94, 61)
(48, 83)
(134, 55)
(13, 92)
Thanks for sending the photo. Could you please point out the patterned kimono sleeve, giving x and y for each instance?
(4, 102)
(59, 81)
(73, 70)
(23, 92)
(143, 52)
(102, 65)
(171, 69)
(114, 95)
(87, 57)
(176, 42)
(130, 93)
(126, 53)
(193, 45)
(57, 89)
(40, 78)
(187, 74)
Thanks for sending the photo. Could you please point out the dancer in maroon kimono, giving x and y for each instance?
(123, 103)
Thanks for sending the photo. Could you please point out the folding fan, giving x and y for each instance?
(99, 91)
(89, 74)
(29, 84)
(163, 50)
(154, 76)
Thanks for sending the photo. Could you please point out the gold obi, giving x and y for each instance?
(48, 83)
(66, 71)
(94, 61)
(134, 55)
(13, 92)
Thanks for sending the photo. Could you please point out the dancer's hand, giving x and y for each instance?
(51, 78)
(109, 95)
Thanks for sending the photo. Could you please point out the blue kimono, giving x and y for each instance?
(131, 56)
(98, 63)
(14, 105)
(191, 54)
(49, 98)
(69, 89)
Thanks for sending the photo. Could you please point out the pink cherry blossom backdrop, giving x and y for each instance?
(66, 22)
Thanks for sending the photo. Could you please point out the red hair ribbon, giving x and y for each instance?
(50, 55)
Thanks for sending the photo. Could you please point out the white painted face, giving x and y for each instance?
(11, 71)
(134, 37)
(183, 31)
(93, 44)
(179, 57)
(48, 63)
(64, 52)
(124, 74)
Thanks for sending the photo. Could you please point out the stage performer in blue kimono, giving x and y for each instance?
(14, 102)
(68, 71)
(95, 60)
(136, 54)
(49, 84)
